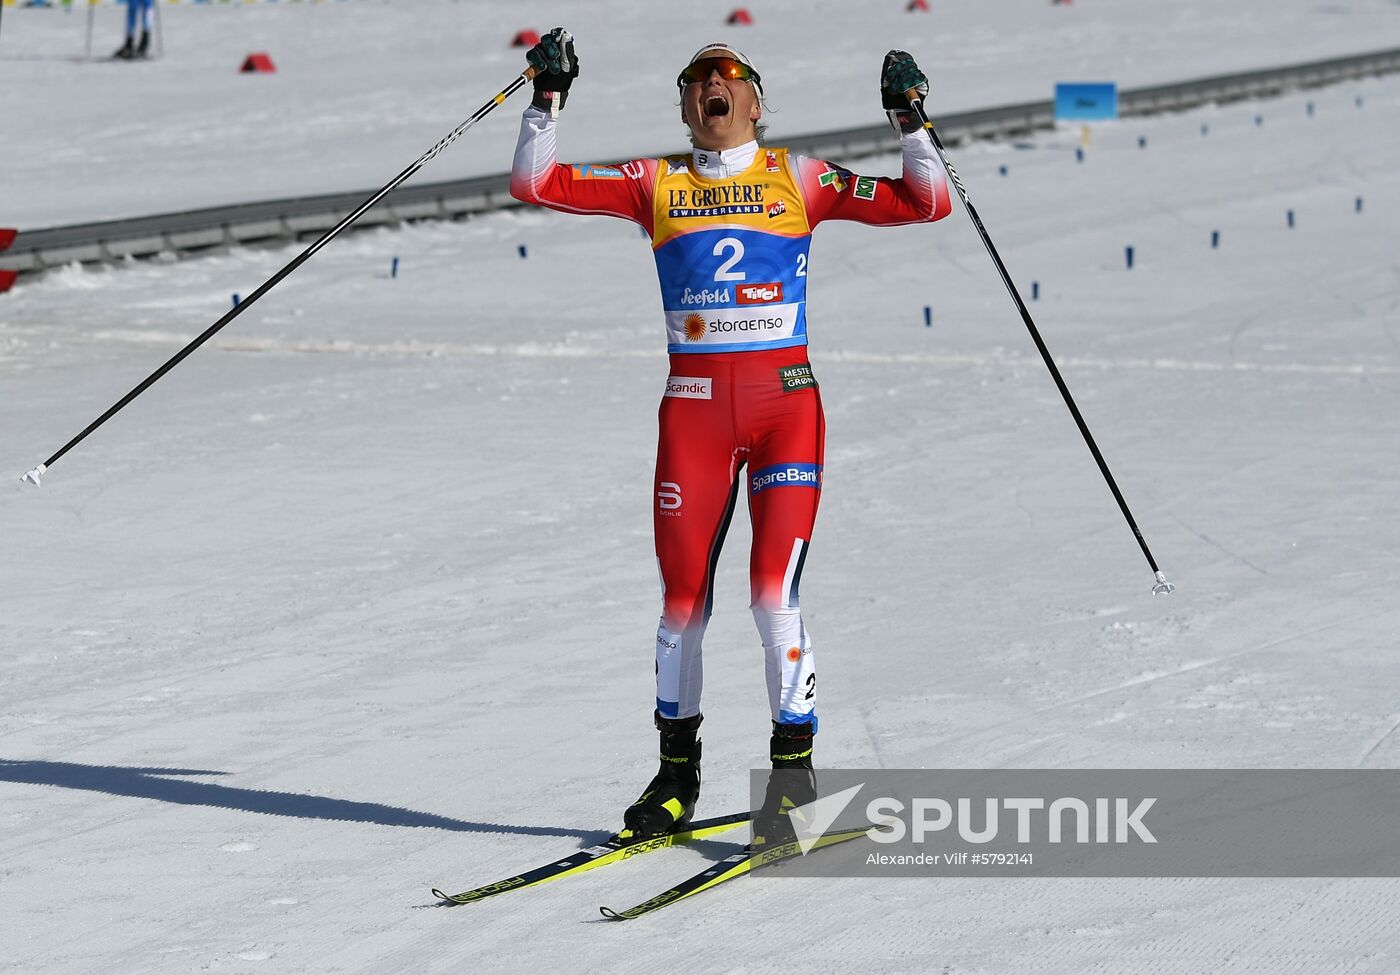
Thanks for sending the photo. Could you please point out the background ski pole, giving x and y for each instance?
(33, 476)
(916, 103)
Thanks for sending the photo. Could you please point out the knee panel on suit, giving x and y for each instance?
(789, 665)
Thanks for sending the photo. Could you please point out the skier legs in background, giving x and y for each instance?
(138, 13)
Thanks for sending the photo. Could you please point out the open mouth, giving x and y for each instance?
(716, 106)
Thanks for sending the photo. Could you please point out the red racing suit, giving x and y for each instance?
(730, 232)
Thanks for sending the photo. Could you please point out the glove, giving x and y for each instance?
(553, 57)
(898, 75)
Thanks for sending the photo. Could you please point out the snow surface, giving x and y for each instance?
(361, 599)
(362, 88)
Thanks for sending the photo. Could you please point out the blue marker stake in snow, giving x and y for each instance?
(1358, 101)
(1358, 204)
(235, 300)
(522, 251)
(1205, 130)
(1214, 239)
(928, 317)
(1001, 170)
(1128, 256)
(1078, 153)
(1258, 120)
(1310, 109)
(1290, 218)
(394, 268)
(1142, 142)
(1035, 291)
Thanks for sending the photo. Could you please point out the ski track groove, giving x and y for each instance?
(1216, 545)
(1393, 725)
(546, 350)
(988, 731)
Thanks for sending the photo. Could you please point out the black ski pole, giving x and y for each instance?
(34, 475)
(916, 102)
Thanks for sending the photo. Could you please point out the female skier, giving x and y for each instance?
(730, 224)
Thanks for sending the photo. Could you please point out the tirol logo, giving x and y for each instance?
(688, 387)
(759, 294)
(694, 327)
(786, 475)
(797, 377)
(770, 162)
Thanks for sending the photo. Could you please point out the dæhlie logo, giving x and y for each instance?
(759, 294)
(668, 496)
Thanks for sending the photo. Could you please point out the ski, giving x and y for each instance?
(730, 867)
(612, 850)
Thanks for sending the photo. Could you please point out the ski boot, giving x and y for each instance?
(143, 49)
(127, 51)
(791, 784)
(668, 802)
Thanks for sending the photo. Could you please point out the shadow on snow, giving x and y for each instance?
(166, 785)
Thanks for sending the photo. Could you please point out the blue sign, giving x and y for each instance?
(1077, 102)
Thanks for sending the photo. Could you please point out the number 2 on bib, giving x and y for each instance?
(735, 247)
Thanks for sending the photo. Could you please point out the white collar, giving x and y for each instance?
(723, 163)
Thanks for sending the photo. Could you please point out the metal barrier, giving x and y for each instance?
(289, 219)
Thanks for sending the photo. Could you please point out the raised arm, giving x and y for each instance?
(920, 195)
(538, 177)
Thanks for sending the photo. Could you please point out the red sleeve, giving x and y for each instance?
(918, 196)
(613, 190)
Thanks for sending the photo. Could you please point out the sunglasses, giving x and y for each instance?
(728, 68)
